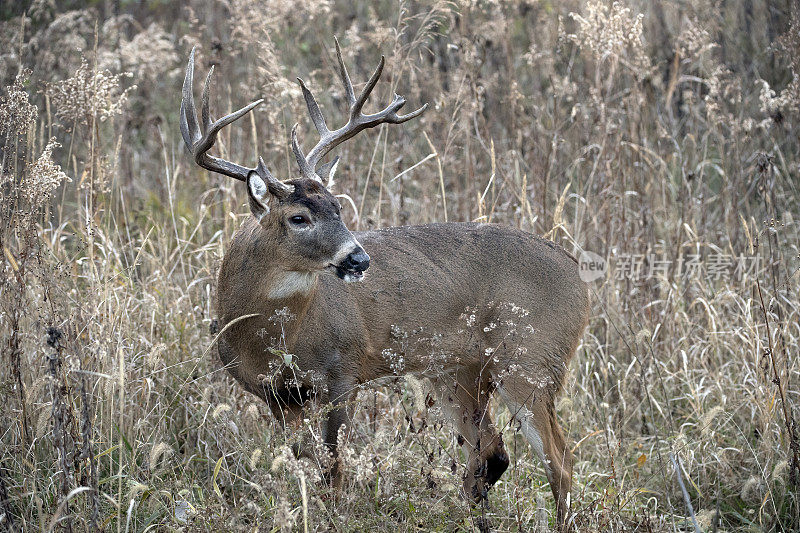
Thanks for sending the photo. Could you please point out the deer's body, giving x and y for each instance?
(435, 297)
(423, 280)
(477, 308)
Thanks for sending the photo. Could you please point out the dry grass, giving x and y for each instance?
(657, 134)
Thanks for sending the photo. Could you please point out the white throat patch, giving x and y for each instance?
(290, 284)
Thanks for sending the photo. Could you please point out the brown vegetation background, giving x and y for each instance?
(663, 132)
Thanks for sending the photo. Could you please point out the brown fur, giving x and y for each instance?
(423, 282)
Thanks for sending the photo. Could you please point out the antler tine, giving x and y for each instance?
(348, 85)
(189, 127)
(357, 120)
(313, 110)
(394, 118)
(305, 168)
(200, 138)
(210, 136)
(205, 115)
(355, 109)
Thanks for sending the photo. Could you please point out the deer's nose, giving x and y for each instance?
(357, 260)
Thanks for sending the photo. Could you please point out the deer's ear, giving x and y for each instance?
(259, 195)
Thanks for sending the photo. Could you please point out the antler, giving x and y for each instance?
(357, 121)
(201, 136)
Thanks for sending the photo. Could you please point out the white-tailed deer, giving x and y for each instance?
(476, 307)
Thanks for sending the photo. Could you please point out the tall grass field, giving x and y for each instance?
(662, 136)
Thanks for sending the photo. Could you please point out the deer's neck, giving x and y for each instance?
(251, 281)
(284, 285)
(285, 299)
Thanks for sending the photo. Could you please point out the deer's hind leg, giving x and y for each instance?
(466, 398)
(535, 412)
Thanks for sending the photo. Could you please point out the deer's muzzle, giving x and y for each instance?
(353, 266)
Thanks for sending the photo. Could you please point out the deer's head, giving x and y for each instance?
(300, 215)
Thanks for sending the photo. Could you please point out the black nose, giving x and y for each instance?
(358, 260)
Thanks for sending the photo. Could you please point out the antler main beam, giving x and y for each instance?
(201, 136)
(356, 122)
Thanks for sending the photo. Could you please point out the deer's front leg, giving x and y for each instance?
(339, 393)
(287, 405)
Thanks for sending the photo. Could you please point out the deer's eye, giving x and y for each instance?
(299, 220)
